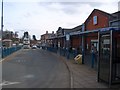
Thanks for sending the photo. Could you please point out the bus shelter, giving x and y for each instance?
(109, 56)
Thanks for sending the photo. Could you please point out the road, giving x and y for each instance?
(34, 69)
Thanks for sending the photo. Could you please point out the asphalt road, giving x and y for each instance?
(34, 69)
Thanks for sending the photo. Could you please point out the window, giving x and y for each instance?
(94, 20)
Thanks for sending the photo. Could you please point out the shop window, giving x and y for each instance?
(95, 42)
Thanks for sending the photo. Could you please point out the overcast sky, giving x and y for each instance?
(39, 16)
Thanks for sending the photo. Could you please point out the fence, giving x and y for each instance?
(8, 51)
(68, 53)
(71, 53)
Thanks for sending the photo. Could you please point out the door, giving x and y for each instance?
(104, 58)
(116, 58)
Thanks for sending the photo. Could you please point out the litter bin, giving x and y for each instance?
(78, 59)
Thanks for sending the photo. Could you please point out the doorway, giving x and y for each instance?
(104, 58)
(109, 57)
(116, 58)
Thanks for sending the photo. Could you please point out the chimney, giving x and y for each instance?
(52, 32)
(46, 32)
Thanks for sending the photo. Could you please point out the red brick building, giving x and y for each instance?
(44, 38)
(74, 41)
(96, 20)
(99, 28)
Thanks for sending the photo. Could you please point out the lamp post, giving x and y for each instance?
(1, 53)
(1, 32)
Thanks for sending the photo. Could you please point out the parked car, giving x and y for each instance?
(26, 47)
(34, 47)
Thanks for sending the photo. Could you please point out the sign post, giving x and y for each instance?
(67, 41)
(83, 43)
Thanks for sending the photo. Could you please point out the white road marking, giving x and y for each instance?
(2, 60)
(8, 83)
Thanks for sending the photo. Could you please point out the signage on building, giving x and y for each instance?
(106, 41)
(67, 37)
(58, 44)
(83, 27)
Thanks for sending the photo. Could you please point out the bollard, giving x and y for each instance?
(67, 51)
(93, 57)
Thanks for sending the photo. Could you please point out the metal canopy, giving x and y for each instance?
(95, 31)
(89, 31)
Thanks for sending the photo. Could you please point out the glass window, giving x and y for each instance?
(94, 20)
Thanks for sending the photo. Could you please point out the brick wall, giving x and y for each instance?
(75, 41)
(102, 21)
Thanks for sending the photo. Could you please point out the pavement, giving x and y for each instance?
(82, 76)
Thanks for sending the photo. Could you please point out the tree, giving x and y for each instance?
(26, 34)
(16, 34)
(8, 34)
(34, 37)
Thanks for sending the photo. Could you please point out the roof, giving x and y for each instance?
(93, 31)
(116, 14)
(97, 30)
(105, 13)
(77, 28)
(47, 34)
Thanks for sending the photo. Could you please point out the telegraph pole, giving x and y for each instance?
(1, 33)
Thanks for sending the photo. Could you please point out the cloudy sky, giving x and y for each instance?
(39, 16)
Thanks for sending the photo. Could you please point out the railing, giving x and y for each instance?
(69, 54)
(8, 51)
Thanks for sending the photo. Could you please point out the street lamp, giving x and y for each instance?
(1, 32)
(1, 53)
